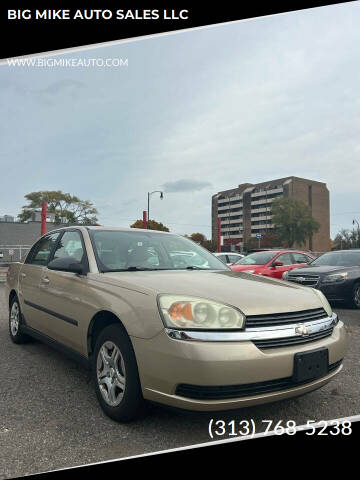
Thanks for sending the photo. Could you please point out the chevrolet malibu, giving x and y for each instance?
(158, 325)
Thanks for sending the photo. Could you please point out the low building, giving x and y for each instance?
(245, 211)
(7, 218)
(16, 238)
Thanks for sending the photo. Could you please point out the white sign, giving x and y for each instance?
(222, 240)
(11, 252)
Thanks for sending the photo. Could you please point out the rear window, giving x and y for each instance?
(338, 259)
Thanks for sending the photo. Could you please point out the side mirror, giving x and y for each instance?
(67, 264)
(277, 264)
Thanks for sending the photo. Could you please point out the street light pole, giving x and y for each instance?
(148, 209)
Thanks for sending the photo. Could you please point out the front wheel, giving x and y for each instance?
(15, 322)
(116, 375)
(355, 297)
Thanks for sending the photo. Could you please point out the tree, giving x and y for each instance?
(152, 225)
(293, 221)
(270, 240)
(345, 239)
(198, 238)
(251, 243)
(202, 240)
(63, 205)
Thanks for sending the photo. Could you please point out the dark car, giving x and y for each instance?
(336, 274)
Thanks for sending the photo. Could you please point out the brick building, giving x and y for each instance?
(245, 211)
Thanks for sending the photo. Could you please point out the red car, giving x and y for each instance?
(272, 263)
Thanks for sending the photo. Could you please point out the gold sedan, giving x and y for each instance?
(159, 318)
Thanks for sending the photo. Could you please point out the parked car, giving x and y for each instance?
(229, 257)
(336, 274)
(198, 338)
(272, 263)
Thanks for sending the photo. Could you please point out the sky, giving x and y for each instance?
(192, 113)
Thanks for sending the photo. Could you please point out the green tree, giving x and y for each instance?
(270, 240)
(198, 238)
(201, 239)
(152, 224)
(63, 205)
(345, 239)
(293, 221)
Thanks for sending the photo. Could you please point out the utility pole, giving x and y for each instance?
(358, 231)
(43, 218)
(144, 220)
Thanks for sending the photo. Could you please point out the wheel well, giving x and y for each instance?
(100, 321)
(11, 296)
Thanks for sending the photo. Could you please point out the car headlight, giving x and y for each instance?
(189, 313)
(324, 301)
(335, 277)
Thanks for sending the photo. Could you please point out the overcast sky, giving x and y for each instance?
(194, 113)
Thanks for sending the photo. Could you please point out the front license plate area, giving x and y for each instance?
(310, 365)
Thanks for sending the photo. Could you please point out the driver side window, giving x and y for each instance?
(40, 252)
(70, 245)
(300, 258)
(285, 259)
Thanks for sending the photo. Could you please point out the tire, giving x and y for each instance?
(15, 320)
(355, 296)
(116, 376)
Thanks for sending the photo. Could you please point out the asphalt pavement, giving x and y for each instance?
(50, 418)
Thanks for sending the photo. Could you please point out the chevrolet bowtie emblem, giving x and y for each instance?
(303, 330)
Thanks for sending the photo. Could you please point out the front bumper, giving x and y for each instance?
(165, 364)
(336, 291)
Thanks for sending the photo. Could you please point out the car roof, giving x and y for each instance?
(349, 250)
(227, 253)
(120, 229)
(285, 250)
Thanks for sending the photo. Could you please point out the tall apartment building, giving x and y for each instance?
(245, 210)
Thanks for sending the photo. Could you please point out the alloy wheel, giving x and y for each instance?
(110, 369)
(357, 296)
(14, 319)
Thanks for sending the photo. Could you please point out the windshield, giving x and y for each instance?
(131, 251)
(258, 258)
(338, 259)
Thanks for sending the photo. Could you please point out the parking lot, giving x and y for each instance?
(50, 418)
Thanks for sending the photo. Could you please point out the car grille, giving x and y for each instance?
(289, 341)
(199, 392)
(303, 279)
(276, 319)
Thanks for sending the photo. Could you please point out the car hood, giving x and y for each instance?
(253, 294)
(322, 269)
